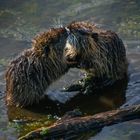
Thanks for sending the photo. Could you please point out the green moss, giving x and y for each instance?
(23, 127)
(44, 131)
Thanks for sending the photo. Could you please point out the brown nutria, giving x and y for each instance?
(100, 52)
(28, 76)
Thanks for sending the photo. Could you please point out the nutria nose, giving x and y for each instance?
(70, 57)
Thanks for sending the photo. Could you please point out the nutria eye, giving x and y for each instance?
(83, 32)
(95, 36)
(66, 49)
(46, 49)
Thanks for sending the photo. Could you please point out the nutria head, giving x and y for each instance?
(77, 45)
(99, 52)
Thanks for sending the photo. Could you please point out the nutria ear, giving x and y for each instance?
(95, 36)
(47, 50)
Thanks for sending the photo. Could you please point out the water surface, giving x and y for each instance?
(20, 21)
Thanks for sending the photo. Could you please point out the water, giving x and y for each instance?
(20, 21)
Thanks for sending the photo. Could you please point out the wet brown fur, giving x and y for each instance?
(29, 75)
(100, 52)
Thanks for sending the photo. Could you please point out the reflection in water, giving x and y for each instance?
(101, 100)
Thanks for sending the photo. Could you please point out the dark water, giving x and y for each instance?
(21, 20)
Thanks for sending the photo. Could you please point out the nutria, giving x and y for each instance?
(101, 53)
(29, 75)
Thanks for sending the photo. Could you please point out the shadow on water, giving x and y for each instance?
(99, 101)
(30, 118)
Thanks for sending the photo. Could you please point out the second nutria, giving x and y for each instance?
(101, 53)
